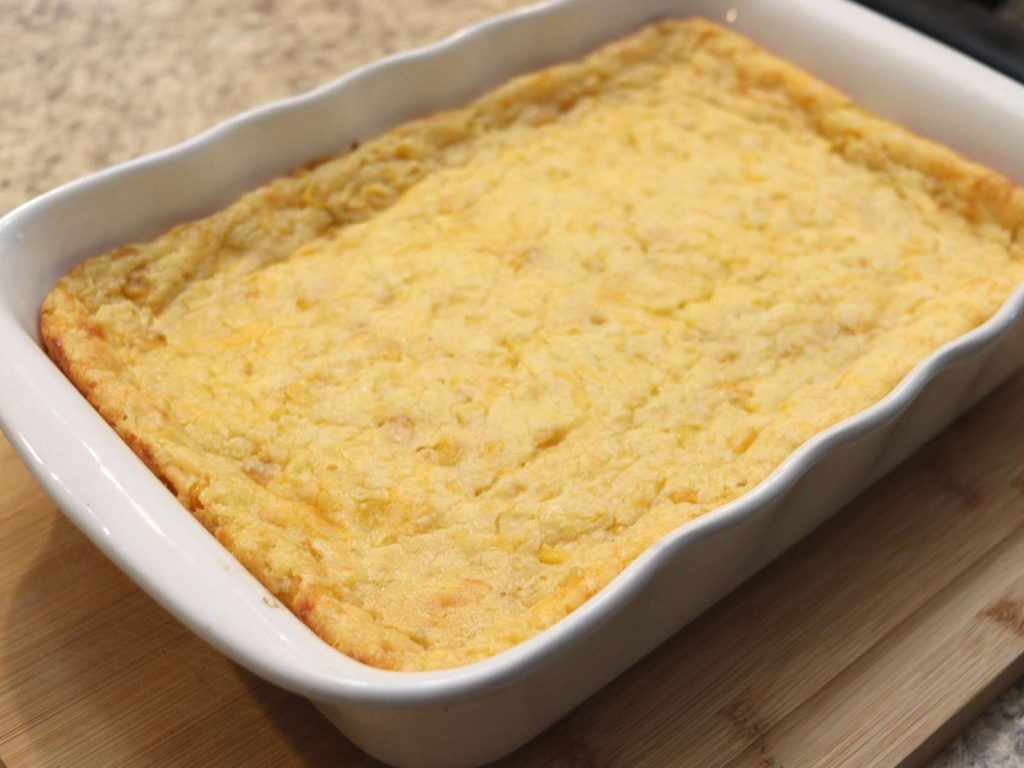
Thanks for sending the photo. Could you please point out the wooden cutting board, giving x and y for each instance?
(871, 643)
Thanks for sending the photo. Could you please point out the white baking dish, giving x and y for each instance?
(476, 713)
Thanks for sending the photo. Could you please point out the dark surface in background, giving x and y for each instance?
(991, 31)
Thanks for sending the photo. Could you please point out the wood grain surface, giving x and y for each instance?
(871, 643)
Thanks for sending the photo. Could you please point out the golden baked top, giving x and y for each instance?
(438, 391)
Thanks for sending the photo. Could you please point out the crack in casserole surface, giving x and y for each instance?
(438, 391)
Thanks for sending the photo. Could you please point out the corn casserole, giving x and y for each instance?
(438, 391)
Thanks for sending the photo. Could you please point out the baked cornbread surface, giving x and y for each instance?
(438, 391)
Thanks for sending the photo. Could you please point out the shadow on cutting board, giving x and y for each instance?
(876, 637)
(94, 673)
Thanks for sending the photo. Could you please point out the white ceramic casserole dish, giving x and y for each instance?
(476, 713)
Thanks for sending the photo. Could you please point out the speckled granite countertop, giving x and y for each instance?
(86, 85)
(994, 740)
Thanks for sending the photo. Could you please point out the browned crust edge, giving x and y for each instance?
(81, 349)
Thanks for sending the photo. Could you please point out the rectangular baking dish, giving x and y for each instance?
(473, 714)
